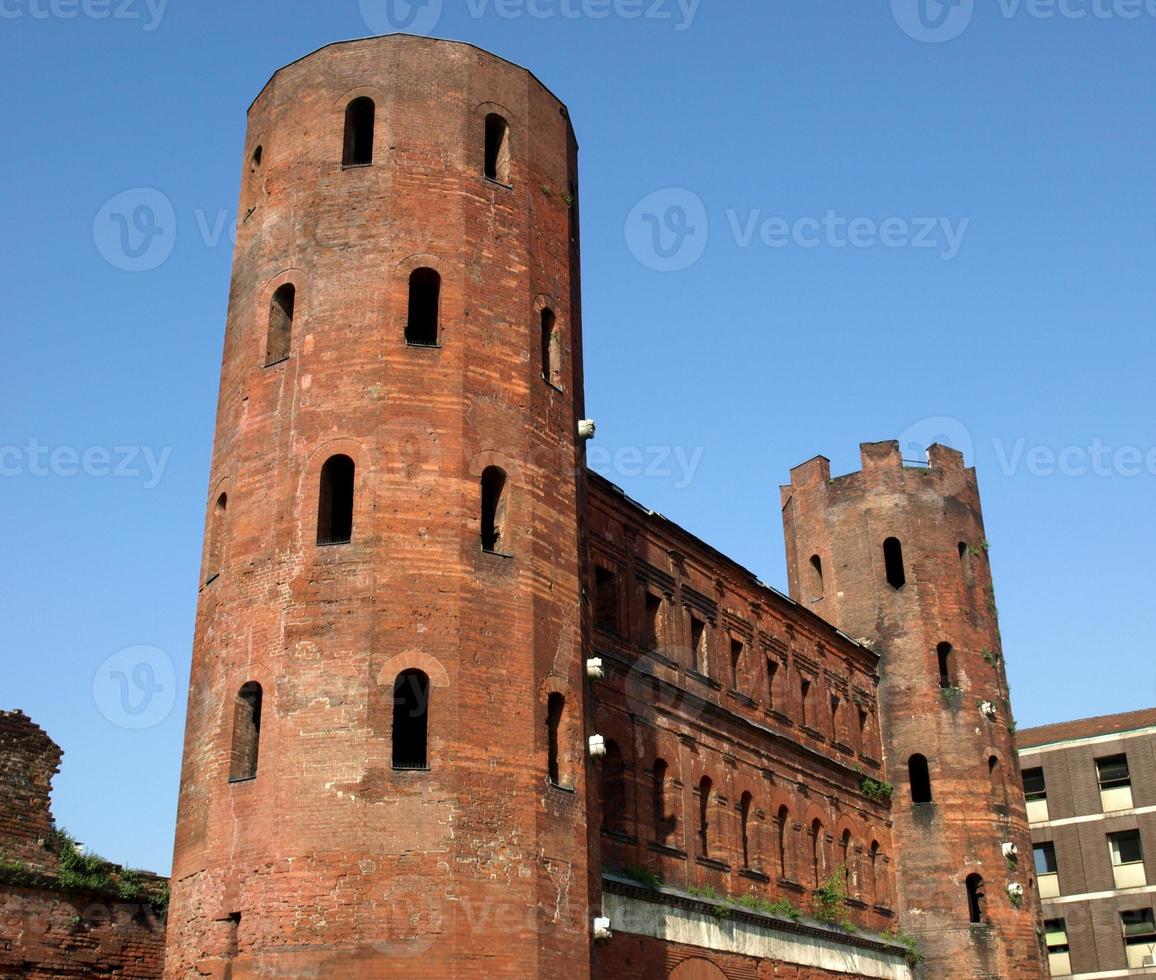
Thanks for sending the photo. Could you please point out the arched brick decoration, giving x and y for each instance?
(697, 969)
(433, 668)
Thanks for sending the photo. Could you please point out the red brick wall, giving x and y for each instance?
(704, 715)
(947, 597)
(330, 860)
(28, 761)
(47, 934)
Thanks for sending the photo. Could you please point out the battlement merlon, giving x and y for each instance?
(884, 468)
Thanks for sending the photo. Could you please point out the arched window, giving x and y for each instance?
(874, 866)
(359, 118)
(411, 720)
(551, 349)
(805, 700)
(783, 822)
(976, 900)
(745, 804)
(943, 653)
(998, 785)
(335, 502)
(845, 860)
(817, 851)
(920, 777)
(555, 707)
(421, 326)
(497, 149)
(736, 663)
(256, 160)
(217, 524)
(613, 789)
(893, 562)
(816, 577)
(493, 509)
(704, 801)
(280, 335)
(246, 733)
(662, 823)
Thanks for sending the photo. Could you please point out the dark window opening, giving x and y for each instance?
(805, 699)
(1113, 772)
(246, 733)
(772, 673)
(551, 349)
(816, 577)
(411, 720)
(258, 157)
(943, 653)
(359, 119)
(555, 707)
(663, 824)
(217, 537)
(817, 853)
(976, 900)
(653, 638)
(1126, 848)
(745, 805)
(1139, 935)
(736, 663)
(280, 335)
(605, 599)
(845, 848)
(704, 801)
(613, 789)
(877, 895)
(335, 502)
(421, 327)
(920, 777)
(784, 826)
(1035, 789)
(836, 704)
(497, 149)
(1045, 858)
(493, 509)
(698, 645)
(893, 561)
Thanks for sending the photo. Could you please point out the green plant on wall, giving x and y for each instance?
(829, 903)
(876, 790)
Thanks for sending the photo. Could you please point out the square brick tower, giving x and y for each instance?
(896, 557)
(384, 768)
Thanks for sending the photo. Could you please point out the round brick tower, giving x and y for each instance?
(896, 556)
(384, 760)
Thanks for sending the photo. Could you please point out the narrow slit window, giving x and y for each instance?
(920, 777)
(280, 335)
(493, 510)
(605, 600)
(893, 562)
(555, 707)
(976, 899)
(772, 675)
(613, 790)
(805, 700)
(411, 693)
(335, 502)
(704, 801)
(736, 663)
(653, 637)
(256, 160)
(497, 149)
(943, 655)
(217, 524)
(698, 645)
(662, 823)
(551, 349)
(817, 852)
(359, 124)
(246, 733)
(745, 805)
(783, 822)
(816, 577)
(422, 325)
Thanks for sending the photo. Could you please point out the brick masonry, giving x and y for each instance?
(28, 761)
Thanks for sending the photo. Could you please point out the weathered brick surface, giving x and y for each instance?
(948, 597)
(330, 863)
(28, 761)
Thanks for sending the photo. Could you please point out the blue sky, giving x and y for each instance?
(870, 225)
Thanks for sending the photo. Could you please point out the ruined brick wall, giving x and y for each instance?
(331, 861)
(28, 761)
(940, 593)
(47, 934)
(783, 809)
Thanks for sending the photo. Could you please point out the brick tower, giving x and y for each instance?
(384, 760)
(895, 555)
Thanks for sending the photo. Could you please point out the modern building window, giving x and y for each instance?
(816, 577)
(746, 803)
(698, 645)
(893, 563)
(551, 349)
(1059, 952)
(920, 777)
(555, 708)
(736, 663)
(976, 900)
(704, 804)
(605, 599)
(653, 622)
(280, 335)
(944, 656)
(335, 502)
(497, 149)
(411, 692)
(1115, 783)
(217, 525)
(359, 119)
(422, 323)
(1047, 870)
(663, 824)
(246, 733)
(1036, 793)
(493, 509)
(613, 790)
(1127, 859)
(1139, 938)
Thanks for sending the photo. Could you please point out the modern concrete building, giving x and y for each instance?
(1091, 791)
